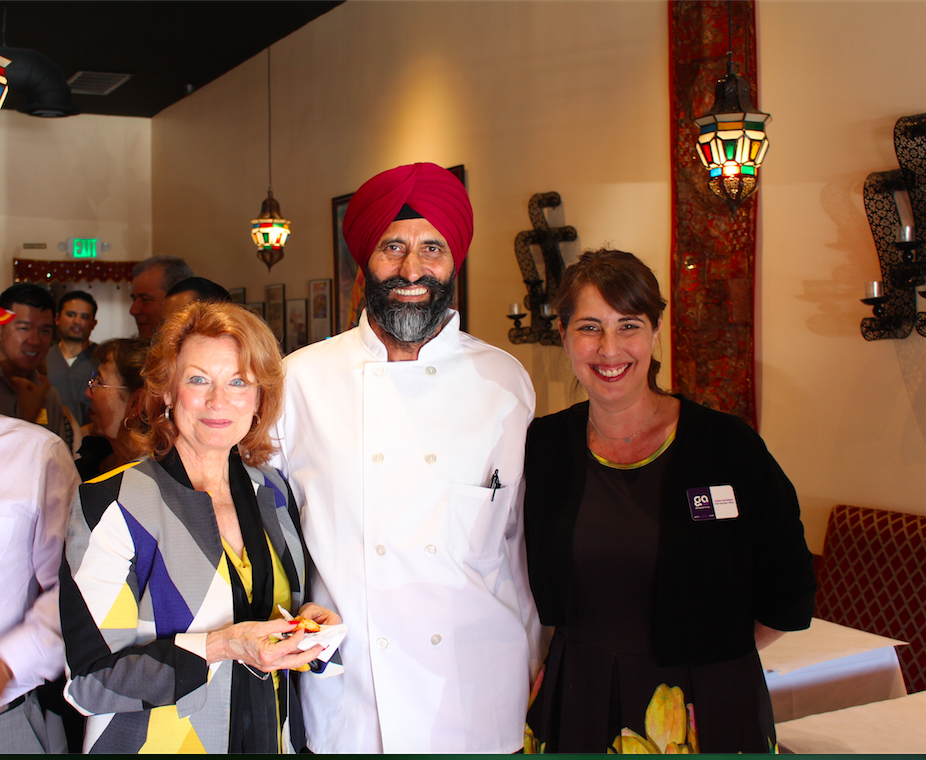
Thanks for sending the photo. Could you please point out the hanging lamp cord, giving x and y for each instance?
(269, 127)
(730, 36)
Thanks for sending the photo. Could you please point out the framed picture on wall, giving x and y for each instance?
(297, 333)
(257, 307)
(319, 310)
(274, 296)
(347, 295)
(348, 280)
(237, 295)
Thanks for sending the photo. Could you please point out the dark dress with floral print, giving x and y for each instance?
(602, 676)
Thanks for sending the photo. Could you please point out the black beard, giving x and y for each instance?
(408, 322)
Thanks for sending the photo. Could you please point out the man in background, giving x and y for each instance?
(151, 279)
(403, 439)
(25, 337)
(39, 479)
(70, 361)
(189, 290)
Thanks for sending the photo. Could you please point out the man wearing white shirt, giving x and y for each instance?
(403, 439)
(39, 480)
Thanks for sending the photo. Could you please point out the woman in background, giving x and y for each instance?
(664, 543)
(175, 565)
(115, 391)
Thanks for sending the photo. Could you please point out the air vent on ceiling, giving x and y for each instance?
(96, 82)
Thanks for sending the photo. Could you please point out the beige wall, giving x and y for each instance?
(845, 418)
(81, 176)
(530, 96)
(533, 97)
(572, 97)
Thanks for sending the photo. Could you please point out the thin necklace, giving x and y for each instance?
(628, 440)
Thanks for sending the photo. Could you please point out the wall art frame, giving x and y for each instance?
(297, 327)
(275, 298)
(320, 310)
(257, 307)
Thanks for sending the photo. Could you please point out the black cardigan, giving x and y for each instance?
(714, 577)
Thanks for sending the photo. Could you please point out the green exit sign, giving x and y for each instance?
(82, 248)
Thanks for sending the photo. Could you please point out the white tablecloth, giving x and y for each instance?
(895, 726)
(830, 667)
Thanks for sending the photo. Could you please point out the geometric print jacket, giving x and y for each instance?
(143, 581)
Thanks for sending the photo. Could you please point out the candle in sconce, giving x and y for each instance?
(905, 234)
(874, 289)
(514, 309)
(546, 310)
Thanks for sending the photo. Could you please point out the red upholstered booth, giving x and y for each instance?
(873, 577)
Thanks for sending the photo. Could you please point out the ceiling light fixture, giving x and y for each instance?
(4, 62)
(35, 77)
(732, 141)
(270, 230)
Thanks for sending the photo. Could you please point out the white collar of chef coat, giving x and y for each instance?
(447, 338)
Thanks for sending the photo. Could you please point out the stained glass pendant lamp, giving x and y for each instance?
(732, 141)
(270, 230)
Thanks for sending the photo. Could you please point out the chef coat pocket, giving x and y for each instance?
(477, 529)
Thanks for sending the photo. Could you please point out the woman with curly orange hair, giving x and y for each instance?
(176, 564)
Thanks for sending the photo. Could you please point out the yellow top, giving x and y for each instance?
(281, 596)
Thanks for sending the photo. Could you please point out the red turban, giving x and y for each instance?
(429, 189)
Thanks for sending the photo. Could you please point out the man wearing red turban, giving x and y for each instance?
(435, 193)
(403, 439)
(409, 230)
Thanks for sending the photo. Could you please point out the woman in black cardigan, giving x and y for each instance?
(664, 544)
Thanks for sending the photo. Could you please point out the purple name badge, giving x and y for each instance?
(712, 503)
(700, 504)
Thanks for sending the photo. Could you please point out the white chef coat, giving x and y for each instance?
(39, 479)
(392, 462)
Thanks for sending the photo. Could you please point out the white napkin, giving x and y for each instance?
(329, 636)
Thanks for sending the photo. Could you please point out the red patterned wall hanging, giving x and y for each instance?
(713, 250)
(32, 270)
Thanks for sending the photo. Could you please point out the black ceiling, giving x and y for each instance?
(165, 46)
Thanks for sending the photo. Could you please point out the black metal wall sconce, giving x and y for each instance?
(902, 256)
(540, 291)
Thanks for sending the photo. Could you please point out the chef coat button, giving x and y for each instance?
(430, 458)
(382, 643)
(430, 549)
(377, 458)
(436, 639)
(431, 370)
(378, 371)
(379, 549)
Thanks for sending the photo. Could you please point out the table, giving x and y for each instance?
(830, 667)
(894, 726)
